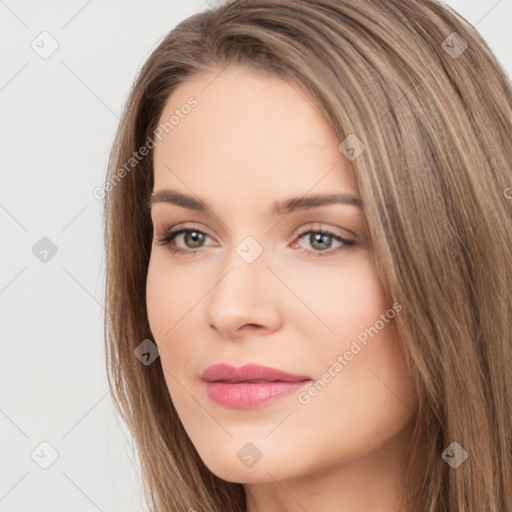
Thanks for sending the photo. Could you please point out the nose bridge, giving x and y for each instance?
(244, 272)
(242, 295)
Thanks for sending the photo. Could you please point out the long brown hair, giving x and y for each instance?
(421, 89)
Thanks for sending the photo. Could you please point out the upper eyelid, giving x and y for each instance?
(187, 227)
(316, 227)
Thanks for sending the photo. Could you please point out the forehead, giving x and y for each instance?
(248, 133)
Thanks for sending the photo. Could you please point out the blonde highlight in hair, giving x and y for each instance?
(433, 180)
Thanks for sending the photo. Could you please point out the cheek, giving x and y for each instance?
(169, 296)
(374, 374)
(175, 301)
(157, 299)
(169, 301)
(346, 300)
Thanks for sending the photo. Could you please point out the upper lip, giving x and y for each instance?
(249, 372)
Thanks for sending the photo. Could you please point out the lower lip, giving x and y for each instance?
(250, 394)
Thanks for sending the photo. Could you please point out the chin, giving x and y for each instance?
(238, 468)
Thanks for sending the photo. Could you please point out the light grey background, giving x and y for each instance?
(58, 119)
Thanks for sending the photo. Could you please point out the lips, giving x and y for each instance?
(249, 373)
(251, 385)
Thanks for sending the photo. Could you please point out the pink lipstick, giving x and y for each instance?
(250, 385)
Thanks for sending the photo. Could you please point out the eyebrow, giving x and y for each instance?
(279, 207)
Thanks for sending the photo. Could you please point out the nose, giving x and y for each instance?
(245, 298)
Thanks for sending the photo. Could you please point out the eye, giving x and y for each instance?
(192, 236)
(321, 240)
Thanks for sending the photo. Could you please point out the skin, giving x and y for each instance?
(251, 140)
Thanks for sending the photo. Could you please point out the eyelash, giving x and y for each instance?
(170, 234)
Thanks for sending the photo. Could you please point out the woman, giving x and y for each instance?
(309, 261)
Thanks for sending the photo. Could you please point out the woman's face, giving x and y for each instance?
(272, 286)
